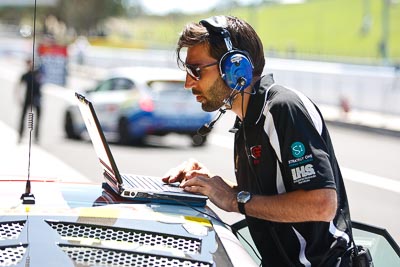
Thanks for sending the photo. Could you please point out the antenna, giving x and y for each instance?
(28, 197)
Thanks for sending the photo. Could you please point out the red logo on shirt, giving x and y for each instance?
(256, 151)
(256, 154)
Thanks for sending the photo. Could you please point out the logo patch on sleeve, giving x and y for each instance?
(303, 174)
(298, 149)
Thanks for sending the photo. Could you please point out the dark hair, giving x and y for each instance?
(243, 37)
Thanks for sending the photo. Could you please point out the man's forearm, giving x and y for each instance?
(297, 206)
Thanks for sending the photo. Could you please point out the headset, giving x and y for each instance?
(235, 66)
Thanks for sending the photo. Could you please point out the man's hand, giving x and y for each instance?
(196, 178)
(217, 190)
(186, 171)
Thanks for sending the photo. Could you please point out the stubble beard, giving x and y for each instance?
(218, 92)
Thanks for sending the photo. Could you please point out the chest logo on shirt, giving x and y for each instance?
(255, 152)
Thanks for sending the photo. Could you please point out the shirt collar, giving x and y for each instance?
(257, 100)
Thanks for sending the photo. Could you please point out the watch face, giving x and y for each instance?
(243, 196)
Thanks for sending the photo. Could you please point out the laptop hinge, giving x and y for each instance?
(112, 182)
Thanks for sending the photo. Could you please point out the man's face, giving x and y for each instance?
(210, 90)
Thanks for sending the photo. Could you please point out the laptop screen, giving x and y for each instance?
(98, 139)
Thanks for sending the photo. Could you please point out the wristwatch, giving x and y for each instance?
(242, 198)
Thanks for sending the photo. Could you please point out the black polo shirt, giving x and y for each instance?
(283, 145)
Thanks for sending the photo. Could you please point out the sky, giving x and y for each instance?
(162, 7)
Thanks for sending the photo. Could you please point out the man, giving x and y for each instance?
(289, 184)
(32, 81)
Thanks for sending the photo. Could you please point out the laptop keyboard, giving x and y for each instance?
(149, 183)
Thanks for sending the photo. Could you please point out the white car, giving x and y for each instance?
(133, 102)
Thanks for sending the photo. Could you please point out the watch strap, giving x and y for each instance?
(241, 208)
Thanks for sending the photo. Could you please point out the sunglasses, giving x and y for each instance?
(194, 70)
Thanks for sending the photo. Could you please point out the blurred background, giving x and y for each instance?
(360, 31)
(345, 55)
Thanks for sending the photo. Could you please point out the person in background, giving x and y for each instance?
(31, 81)
(289, 184)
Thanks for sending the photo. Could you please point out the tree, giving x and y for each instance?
(84, 16)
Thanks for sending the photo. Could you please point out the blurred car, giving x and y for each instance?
(133, 102)
(81, 224)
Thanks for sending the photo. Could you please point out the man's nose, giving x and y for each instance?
(190, 82)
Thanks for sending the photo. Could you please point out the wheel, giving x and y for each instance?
(69, 127)
(198, 140)
(123, 130)
(125, 137)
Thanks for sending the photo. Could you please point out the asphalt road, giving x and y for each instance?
(360, 153)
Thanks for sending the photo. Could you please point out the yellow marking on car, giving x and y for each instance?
(99, 212)
(202, 221)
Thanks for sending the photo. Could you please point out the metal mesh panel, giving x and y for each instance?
(10, 256)
(86, 256)
(11, 230)
(183, 244)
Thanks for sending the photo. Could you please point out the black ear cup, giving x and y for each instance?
(235, 66)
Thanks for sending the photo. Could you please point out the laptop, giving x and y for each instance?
(131, 186)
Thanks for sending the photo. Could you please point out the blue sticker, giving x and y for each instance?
(298, 149)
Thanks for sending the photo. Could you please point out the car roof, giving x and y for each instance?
(145, 74)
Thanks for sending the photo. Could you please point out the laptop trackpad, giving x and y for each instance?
(174, 187)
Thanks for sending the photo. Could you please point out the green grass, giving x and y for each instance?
(317, 28)
(326, 27)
